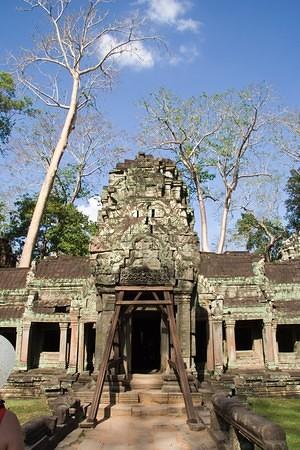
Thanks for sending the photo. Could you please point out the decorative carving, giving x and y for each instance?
(144, 276)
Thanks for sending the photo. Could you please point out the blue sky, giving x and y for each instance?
(236, 42)
(213, 45)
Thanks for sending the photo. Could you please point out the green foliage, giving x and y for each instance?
(285, 412)
(10, 106)
(28, 409)
(65, 182)
(263, 237)
(293, 201)
(63, 228)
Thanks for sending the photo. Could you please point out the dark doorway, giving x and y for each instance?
(145, 341)
(90, 336)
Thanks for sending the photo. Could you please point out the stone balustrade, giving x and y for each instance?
(244, 428)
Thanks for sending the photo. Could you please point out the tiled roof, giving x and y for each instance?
(13, 278)
(231, 264)
(284, 272)
(242, 301)
(63, 267)
(11, 312)
(289, 307)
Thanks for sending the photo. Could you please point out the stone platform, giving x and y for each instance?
(141, 432)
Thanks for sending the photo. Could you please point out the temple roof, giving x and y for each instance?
(61, 267)
(13, 278)
(11, 312)
(227, 265)
(284, 271)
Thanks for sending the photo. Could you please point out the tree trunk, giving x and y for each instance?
(49, 178)
(204, 246)
(224, 221)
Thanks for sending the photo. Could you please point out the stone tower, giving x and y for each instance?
(145, 237)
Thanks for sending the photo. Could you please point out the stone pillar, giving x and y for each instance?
(164, 347)
(19, 330)
(81, 347)
(268, 344)
(183, 302)
(63, 344)
(210, 347)
(230, 340)
(102, 328)
(25, 345)
(74, 343)
(105, 312)
(275, 343)
(217, 344)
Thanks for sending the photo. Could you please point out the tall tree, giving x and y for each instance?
(263, 236)
(10, 106)
(293, 201)
(82, 51)
(217, 137)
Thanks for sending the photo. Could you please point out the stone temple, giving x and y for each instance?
(237, 316)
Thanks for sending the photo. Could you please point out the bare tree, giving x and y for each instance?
(92, 146)
(184, 129)
(217, 137)
(289, 138)
(237, 148)
(78, 57)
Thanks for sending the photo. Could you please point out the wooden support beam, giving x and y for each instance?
(143, 302)
(103, 366)
(192, 421)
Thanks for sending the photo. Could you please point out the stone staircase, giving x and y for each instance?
(146, 397)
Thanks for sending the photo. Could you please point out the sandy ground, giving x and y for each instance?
(139, 433)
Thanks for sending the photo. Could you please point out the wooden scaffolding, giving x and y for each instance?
(160, 297)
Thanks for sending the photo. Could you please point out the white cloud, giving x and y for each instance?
(91, 209)
(188, 25)
(186, 54)
(172, 12)
(134, 54)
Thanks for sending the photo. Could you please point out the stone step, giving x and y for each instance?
(107, 397)
(146, 381)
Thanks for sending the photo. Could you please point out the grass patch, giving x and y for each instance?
(28, 409)
(285, 412)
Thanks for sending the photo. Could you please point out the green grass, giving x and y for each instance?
(285, 412)
(27, 409)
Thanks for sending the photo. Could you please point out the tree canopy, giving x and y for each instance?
(263, 236)
(293, 201)
(63, 229)
(218, 139)
(10, 106)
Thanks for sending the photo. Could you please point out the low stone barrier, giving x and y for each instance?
(44, 433)
(245, 428)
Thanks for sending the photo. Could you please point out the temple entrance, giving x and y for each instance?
(146, 356)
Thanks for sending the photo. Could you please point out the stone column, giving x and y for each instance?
(102, 329)
(210, 347)
(218, 345)
(230, 340)
(105, 314)
(25, 346)
(268, 344)
(81, 347)
(184, 326)
(275, 343)
(19, 330)
(74, 343)
(63, 344)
